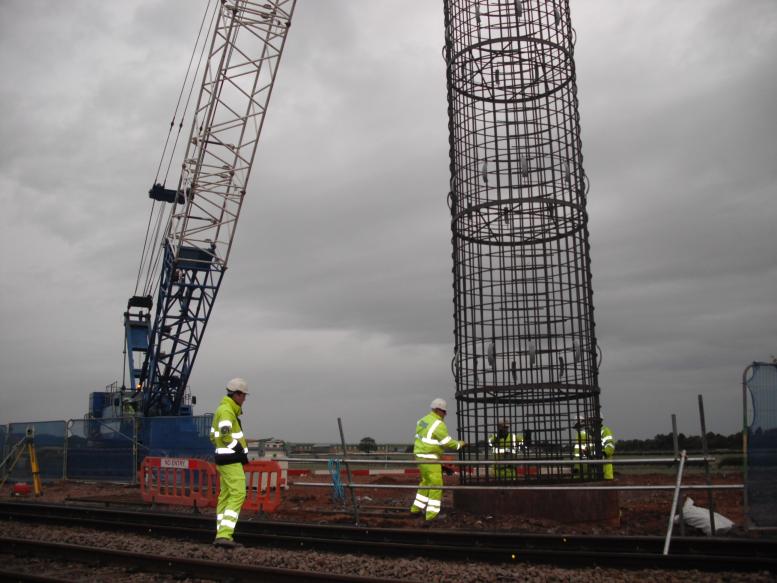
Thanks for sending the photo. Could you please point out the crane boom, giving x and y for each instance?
(245, 50)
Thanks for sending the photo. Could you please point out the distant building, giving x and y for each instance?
(269, 447)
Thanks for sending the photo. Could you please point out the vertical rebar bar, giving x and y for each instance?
(525, 347)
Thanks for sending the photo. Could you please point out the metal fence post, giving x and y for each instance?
(64, 450)
(668, 538)
(745, 432)
(348, 470)
(677, 457)
(674, 437)
(705, 451)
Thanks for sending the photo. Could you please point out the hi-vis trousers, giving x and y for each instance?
(428, 498)
(231, 498)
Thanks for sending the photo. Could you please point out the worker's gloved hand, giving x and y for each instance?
(244, 459)
(462, 444)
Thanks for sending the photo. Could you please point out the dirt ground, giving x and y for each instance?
(641, 512)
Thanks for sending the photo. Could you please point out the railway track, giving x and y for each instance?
(176, 566)
(712, 554)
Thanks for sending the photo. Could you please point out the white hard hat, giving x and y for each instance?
(439, 404)
(237, 385)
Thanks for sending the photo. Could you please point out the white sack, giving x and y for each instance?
(699, 517)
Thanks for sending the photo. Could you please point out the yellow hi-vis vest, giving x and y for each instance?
(508, 445)
(227, 434)
(431, 437)
(608, 443)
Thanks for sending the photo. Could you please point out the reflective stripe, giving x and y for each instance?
(421, 497)
(229, 523)
(428, 456)
(245, 450)
(606, 439)
(232, 444)
(419, 504)
(231, 513)
(237, 435)
(435, 503)
(458, 445)
(225, 423)
(432, 427)
(445, 440)
(224, 450)
(219, 517)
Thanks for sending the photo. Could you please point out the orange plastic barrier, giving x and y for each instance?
(181, 481)
(195, 482)
(264, 482)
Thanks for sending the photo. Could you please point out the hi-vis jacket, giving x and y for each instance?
(227, 434)
(510, 444)
(431, 437)
(608, 443)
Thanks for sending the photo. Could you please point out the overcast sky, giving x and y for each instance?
(338, 299)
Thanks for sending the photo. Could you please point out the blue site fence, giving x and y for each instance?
(108, 449)
(759, 386)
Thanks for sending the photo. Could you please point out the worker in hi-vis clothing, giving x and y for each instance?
(608, 449)
(231, 453)
(581, 446)
(431, 439)
(505, 446)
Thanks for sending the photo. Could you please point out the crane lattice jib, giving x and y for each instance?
(246, 47)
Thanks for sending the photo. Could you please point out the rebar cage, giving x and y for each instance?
(525, 348)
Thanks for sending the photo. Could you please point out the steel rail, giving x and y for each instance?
(19, 577)
(523, 462)
(494, 547)
(526, 488)
(200, 568)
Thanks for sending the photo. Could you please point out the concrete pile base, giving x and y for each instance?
(567, 506)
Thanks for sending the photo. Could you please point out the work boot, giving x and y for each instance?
(226, 543)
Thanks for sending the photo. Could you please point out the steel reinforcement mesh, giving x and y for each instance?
(761, 480)
(525, 348)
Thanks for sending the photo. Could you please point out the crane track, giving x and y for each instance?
(713, 554)
(177, 566)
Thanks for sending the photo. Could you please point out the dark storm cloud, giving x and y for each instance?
(337, 301)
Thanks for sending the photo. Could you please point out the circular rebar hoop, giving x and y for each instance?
(525, 347)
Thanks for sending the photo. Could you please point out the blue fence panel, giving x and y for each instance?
(187, 437)
(762, 445)
(101, 449)
(49, 439)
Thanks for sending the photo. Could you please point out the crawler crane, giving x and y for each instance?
(186, 265)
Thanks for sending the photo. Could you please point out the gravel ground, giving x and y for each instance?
(641, 513)
(415, 569)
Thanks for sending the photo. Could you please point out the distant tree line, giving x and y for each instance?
(665, 442)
